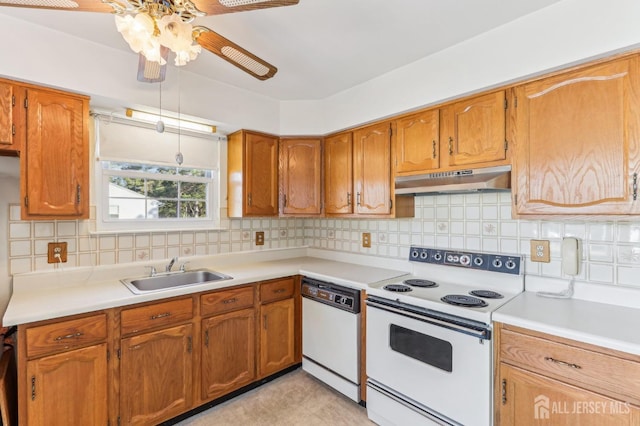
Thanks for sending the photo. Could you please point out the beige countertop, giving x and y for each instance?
(584, 317)
(40, 296)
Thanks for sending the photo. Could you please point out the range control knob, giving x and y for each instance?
(424, 254)
(510, 264)
(478, 261)
(415, 254)
(438, 256)
(497, 263)
(465, 259)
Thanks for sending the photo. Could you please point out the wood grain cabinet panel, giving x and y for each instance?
(277, 336)
(417, 145)
(474, 131)
(338, 174)
(228, 352)
(228, 300)
(278, 289)
(70, 388)
(252, 167)
(544, 379)
(578, 141)
(156, 375)
(300, 176)
(65, 335)
(156, 315)
(55, 161)
(12, 117)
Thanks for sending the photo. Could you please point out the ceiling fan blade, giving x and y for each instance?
(234, 54)
(218, 7)
(77, 5)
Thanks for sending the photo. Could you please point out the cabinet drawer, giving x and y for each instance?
(65, 335)
(226, 300)
(276, 290)
(156, 315)
(596, 371)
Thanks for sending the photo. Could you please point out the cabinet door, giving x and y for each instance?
(55, 163)
(156, 375)
(525, 398)
(261, 160)
(474, 130)
(577, 141)
(12, 122)
(418, 142)
(372, 169)
(277, 339)
(69, 388)
(300, 175)
(228, 352)
(338, 174)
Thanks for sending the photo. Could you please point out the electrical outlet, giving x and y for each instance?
(540, 251)
(57, 253)
(260, 238)
(366, 239)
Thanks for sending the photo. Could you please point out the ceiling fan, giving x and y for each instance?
(153, 27)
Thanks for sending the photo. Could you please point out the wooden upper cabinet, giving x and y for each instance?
(417, 143)
(372, 169)
(577, 141)
(300, 176)
(473, 131)
(12, 121)
(55, 163)
(252, 174)
(338, 174)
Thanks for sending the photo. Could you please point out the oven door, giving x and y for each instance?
(441, 365)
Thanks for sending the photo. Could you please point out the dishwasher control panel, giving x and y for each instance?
(331, 294)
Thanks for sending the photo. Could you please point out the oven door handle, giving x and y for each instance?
(481, 332)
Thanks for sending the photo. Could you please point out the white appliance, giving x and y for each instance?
(331, 335)
(429, 348)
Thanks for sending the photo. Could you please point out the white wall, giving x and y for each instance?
(566, 32)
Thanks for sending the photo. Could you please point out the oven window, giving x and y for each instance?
(427, 349)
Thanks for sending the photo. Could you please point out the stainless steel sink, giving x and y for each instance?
(170, 280)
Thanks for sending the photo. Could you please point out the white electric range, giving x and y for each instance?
(429, 337)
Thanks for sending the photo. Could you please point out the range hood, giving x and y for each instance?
(489, 179)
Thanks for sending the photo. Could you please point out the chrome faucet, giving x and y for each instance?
(170, 265)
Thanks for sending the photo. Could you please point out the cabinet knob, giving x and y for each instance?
(348, 198)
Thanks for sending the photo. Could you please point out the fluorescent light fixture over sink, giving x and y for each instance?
(170, 121)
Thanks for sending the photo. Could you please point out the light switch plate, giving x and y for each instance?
(366, 239)
(540, 251)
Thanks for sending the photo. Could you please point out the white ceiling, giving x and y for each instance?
(320, 47)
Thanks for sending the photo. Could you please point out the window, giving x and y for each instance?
(142, 187)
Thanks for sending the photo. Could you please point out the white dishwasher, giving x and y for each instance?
(331, 335)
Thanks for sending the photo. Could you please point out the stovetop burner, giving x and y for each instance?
(400, 288)
(415, 282)
(464, 300)
(487, 294)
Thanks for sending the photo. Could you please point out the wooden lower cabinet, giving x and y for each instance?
(532, 399)
(277, 336)
(69, 388)
(228, 352)
(156, 371)
(547, 380)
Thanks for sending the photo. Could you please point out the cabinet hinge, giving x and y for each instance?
(13, 100)
(189, 344)
(33, 388)
(26, 201)
(635, 186)
(206, 338)
(13, 130)
(506, 103)
(506, 144)
(118, 420)
(515, 199)
(78, 191)
(504, 391)
(26, 102)
(515, 102)
(390, 131)
(119, 354)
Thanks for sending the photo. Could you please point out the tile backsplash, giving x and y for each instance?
(475, 222)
